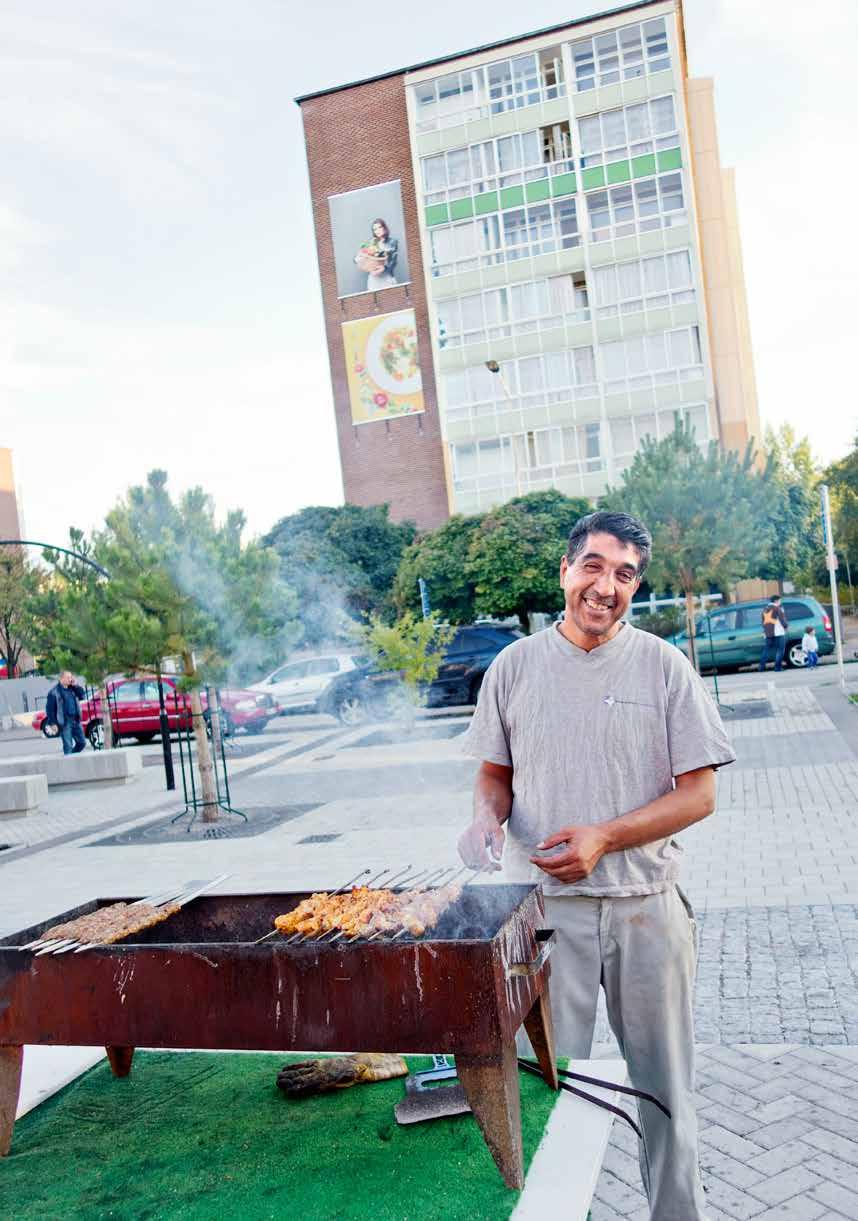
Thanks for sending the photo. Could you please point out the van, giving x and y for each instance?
(732, 636)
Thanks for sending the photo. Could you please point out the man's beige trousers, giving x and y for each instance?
(643, 952)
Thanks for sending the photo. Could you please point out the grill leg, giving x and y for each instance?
(120, 1060)
(491, 1086)
(540, 1031)
(11, 1060)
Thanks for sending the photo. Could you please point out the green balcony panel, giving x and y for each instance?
(436, 214)
(487, 202)
(512, 197)
(670, 159)
(563, 184)
(537, 191)
(641, 166)
(460, 209)
(619, 171)
(593, 178)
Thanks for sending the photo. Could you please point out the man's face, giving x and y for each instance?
(599, 583)
(66, 678)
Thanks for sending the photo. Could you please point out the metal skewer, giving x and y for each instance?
(338, 891)
(153, 900)
(185, 899)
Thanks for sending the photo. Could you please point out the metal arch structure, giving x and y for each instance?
(25, 542)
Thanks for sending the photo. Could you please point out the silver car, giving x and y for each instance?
(300, 684)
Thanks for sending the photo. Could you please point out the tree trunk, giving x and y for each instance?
(205, 765)
(106, 720)
(692, 639)
(215, 722)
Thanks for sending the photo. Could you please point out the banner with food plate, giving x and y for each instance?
(383, 367)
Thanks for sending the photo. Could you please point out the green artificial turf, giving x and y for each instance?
(206, 1135)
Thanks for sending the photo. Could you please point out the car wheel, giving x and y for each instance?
(95, 733)
(50, 731)
(144, 738)
(795, 657)
(350, 710)
(475, 688)
(256, 727)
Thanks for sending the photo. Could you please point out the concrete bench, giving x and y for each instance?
(89, 767)
(22, 795)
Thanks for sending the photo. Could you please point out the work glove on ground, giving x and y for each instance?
(306, 1077)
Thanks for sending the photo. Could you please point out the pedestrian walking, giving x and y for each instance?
(598, 743)
(774, 627)
(63, 710)
(810, 647)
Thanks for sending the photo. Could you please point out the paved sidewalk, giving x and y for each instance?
(773, 876)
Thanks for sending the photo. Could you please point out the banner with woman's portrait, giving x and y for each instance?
(383, 367)
(368, 230)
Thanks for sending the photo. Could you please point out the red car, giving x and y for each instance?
(135, 710)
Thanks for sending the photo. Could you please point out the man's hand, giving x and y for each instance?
(584, 848)
(482, 844)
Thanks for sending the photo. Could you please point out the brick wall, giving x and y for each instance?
(356, 138)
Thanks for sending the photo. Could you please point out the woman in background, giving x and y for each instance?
(378, 256)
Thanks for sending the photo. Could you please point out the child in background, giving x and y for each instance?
(810, 647)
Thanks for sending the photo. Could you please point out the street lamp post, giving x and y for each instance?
(494, 367)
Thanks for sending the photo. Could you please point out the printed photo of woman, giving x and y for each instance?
(377, 257)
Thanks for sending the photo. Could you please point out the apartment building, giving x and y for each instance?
(537, 242)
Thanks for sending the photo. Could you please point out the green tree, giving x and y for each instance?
(792, 476)
(710, 513)
(514, 559)
(842, 480)
(181, 584)
(441, 558)
(411, 645)
(20, 584)
(341, 562)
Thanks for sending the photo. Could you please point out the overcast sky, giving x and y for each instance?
(159, 299)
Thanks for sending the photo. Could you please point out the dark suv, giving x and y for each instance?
(366, 692)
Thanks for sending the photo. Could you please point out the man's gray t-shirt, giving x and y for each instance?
(592, 736)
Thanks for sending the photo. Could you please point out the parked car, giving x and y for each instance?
(135, 710)
(300, 685)
(366, 691)
(737, 632)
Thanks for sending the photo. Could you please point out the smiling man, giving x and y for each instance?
(598, 743)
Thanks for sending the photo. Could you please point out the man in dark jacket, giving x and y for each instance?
(63, 710)
(775, 628)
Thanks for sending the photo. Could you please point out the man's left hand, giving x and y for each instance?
(584, 847)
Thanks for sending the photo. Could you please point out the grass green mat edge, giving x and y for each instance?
(198, 1135)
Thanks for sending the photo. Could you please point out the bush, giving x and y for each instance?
(665, 623)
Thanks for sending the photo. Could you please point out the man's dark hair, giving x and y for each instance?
(775, 598)
(621, 525)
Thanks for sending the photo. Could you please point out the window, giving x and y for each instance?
(623, 54)
(628, 434)
(617, 135)
(127, 693)
(724, 621)
(511, 84)
(529, 460)
(507, 161)
(797, 610)
(504, 237)
(651, 283)
(322, 665)
(643, 361)
(528, 382)
(636, 207)
(298, 669)
(150, 692)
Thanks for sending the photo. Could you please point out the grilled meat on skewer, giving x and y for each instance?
(363, 912)
(113, 923)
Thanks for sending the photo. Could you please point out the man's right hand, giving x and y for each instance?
(481, 845)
